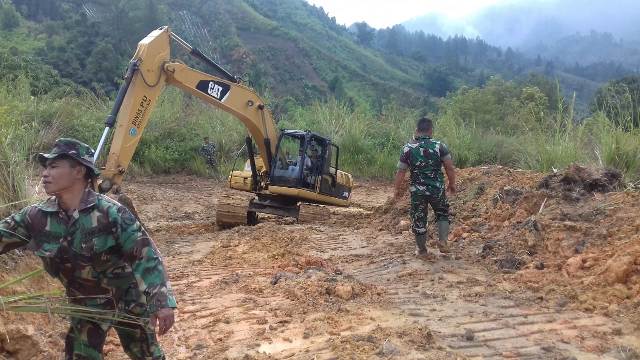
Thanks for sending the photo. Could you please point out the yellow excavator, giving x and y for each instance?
(287, 170)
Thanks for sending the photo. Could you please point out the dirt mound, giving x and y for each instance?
(568, 234)
(480, 189)
(317, 286)
(276, 250)
(20, 343)
(577, 182)
(260, 246)
(28, 336)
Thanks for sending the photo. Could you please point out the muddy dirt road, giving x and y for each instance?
(348, 288)
(536, 274)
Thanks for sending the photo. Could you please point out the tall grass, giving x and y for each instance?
(522, 131)
(55, 303)
(501, 124)
(369, 144)
(18, 131)
(175, 133)
(29, 124)
(14, 175)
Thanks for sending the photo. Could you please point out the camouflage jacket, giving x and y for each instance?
(208, 151)
(424, 157)
(100, 253)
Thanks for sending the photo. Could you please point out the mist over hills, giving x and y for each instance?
(570, 31)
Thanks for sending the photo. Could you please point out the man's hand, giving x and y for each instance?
(399, 185)
(164, 318)
(451, 188)
(451, 175)
(391, 201)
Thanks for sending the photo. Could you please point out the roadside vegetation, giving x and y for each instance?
(507, 123)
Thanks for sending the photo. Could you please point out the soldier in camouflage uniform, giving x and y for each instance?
(424, 158)
(100, 253)
(208, 151)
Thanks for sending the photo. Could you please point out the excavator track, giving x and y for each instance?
(311, 213)
(232, 212)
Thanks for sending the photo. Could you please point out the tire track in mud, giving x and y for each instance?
(420, 292)
(494, 326)
(434, 293)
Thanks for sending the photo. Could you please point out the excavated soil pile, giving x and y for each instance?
(26, 337)
(279, 253)
(572, 235)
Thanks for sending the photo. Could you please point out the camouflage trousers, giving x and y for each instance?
(420, 201)
(85, 340)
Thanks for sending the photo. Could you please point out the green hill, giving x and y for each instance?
(289, 51)
(285, 49)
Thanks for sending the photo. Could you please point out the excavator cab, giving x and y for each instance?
(303, 174)
(305, 160)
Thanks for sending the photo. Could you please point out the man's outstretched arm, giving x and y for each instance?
(450, 170)
(399, 183)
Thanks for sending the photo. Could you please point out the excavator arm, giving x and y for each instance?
(149, 71)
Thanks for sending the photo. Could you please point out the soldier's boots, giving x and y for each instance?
(443, 236)
(421, 244)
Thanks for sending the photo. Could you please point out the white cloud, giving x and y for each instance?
(380, 14)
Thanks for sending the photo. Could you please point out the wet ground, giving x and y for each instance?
(350, 287)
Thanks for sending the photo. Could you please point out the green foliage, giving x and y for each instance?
(511, 124)
(173, 138)
(285, 48)
(9, 17)
(21, 134)
(438, 80)
(616, 146)
(364, 33)
(619, 100)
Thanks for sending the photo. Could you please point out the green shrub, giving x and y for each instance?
(504, 123)
(9, 17)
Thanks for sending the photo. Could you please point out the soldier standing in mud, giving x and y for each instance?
(208, 151)
(100, 253)
(424, 157)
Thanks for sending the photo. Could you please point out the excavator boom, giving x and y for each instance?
(278, 192)
(150, 70)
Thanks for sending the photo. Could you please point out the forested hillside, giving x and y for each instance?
(283, 49)
(61, 62)
(288, 50)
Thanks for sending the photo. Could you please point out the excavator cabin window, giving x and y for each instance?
(300, 160)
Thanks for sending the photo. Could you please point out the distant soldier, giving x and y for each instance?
(100, 253)
(424, 157)
(208, 151)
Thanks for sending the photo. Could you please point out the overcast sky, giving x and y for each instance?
(384, 13)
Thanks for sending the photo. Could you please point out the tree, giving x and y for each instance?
(9, 17)
(549, 68)
(103, 68)
(364, 33)
(39, 10)
(510, 59)
(538, 61)
(437, 80)
(548, 87)
(336, 86)
(394, 42)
